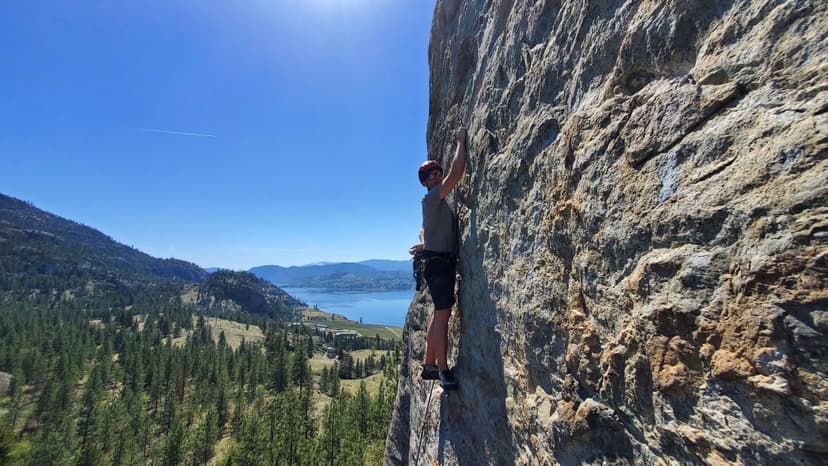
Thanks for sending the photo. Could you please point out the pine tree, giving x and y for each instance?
(279, 378)
(173, 443)
(90, 454)
(8, 443)
(370, 363)
(361, 409)
(331, 440)
(324, 380)
(15, 394)
(308, 419)
(87, 417)
(212, 433)
(201, 438)
(53, 443)
(300, 370)
(333, 385)
(222, 405)
(169, 413)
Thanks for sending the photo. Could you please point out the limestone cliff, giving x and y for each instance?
(644, 226)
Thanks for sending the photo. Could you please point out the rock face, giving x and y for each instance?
(643, 235)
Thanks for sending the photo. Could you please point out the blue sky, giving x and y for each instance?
(229, 134)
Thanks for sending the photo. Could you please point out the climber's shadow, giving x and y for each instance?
(474, 427)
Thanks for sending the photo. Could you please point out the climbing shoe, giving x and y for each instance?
(447, 380)
(430, 372)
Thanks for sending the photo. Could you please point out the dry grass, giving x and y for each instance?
(234, 332)
(321, 401)
(317, 316)
(372, 384)
(96, 323)
(222, 449)
(190, 295)
(318, 361)
(364, 353)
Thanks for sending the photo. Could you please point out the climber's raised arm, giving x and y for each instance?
(458, 165)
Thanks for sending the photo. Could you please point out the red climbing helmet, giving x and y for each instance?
(426, 168)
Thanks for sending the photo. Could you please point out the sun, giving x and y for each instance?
(343, 8)
(342, 3)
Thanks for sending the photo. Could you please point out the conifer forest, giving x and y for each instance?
(136, 376)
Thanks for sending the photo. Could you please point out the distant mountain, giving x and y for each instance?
(372, 275)
(39, 250)
(403, 266)
(225, 290)
(285, 276)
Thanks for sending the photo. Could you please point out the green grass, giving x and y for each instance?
(313, 317)
(366, 330)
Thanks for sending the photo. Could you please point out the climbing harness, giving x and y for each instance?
(419, 265)
(421, 260)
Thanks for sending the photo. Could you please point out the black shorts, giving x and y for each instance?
(440, 273)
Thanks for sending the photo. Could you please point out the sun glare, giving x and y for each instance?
(340, 5)
(323, 8)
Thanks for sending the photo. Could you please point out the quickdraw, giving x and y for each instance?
(419, 265)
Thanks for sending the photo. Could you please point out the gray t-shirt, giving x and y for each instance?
(438, 223)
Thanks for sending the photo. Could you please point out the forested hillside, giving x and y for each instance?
(228, 290)
(38, 250)
(100, 381)
(110, 356)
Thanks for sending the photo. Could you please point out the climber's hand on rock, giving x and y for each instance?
(460, 134)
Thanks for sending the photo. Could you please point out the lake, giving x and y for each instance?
(373, 307)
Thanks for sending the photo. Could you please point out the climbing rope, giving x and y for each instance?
(422, 428)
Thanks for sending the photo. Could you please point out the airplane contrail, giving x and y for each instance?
(180, 133)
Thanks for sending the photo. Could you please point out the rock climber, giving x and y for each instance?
(438, 249)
